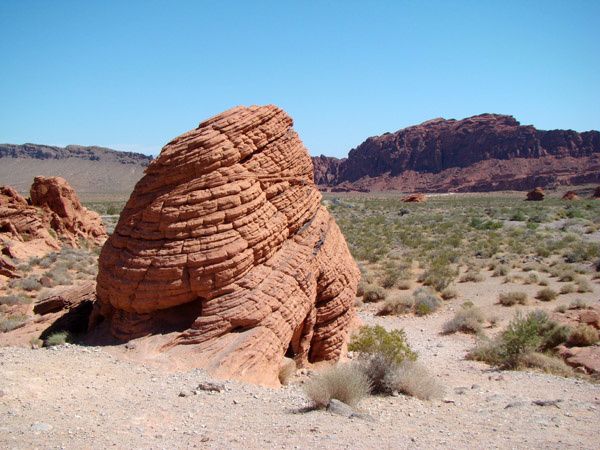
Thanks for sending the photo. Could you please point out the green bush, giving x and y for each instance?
(523, 335)
(58, 338)
(376, 340)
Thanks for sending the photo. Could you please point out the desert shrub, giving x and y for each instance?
(512, 298)
(582, 251)
(579, 304)
(468, 319)
(426, 301)
(12, 322)
(501, 270)
(30, 284)
(345, 382)
(566, 275)
(390, 277)
(398, 304)
(14, 300)
(543, 282)
(58, 338)
(583, 335)
(404, 284)
(532, 278)
(373, 293)
(286, 371)
(567, 289)
(523, 335)
(518, 216)
(481, 224)
(440, 273)
(412, 378)
(546, 295)
(360, 289)
(583, 285)
(377, 340)
(59, 276)
(473, 277)
(561, 309)
(547, 364)
(449, 293)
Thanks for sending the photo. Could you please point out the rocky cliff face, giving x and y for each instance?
(485, 152)
(92, 153)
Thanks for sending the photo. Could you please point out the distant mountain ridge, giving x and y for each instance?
(90, 170)
(480, 153)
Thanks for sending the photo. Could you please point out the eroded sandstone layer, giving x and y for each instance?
(66, 215)
(225, 240)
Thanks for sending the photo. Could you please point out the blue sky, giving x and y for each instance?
(131, 75)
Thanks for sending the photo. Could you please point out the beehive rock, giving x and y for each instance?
(415, 198)
(225, 240)
(570, 195)
(536, 195)
(66, 215)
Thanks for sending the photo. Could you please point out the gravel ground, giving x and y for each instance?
(96, 397)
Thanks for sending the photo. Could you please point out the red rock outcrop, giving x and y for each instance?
(225, 240)
(67, 216)
(570, 195)
(23, 231)
(536, 195)
(488, 152)
(415, 198)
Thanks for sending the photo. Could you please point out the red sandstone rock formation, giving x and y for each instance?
(23, 232)
(225, 239)
(488, 152)
(536, 195)
(67, 216)
(415, 198)
(570, 195)
(56, 216)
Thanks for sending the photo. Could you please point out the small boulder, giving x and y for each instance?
(415, 198)
(536, 195)
(571, 195)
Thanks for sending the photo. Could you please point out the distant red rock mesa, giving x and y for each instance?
(488, 152)
(224, 240)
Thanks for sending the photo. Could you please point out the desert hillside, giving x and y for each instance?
(90, 170)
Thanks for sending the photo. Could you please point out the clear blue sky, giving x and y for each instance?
(133, 74)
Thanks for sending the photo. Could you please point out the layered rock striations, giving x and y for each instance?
(481, 153)
(225, 240)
